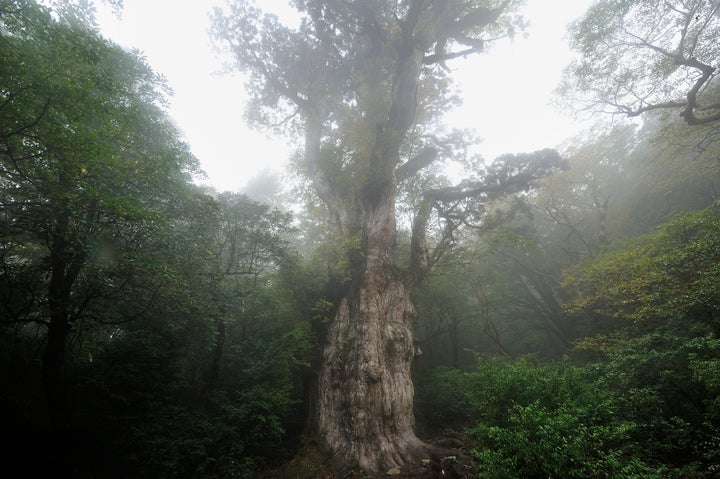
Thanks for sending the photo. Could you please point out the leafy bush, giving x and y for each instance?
(499, 385)
(550, 419)
(656, 300)
(567, 442)
(534, 419)
(221, 438)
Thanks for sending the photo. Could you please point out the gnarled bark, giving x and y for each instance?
(365, 409)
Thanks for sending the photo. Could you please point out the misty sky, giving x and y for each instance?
(506, 92)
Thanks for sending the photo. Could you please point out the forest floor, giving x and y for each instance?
(458, 465)
(449, 458)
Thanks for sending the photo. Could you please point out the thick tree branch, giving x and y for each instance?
(478, 17)
(706, 73)
(420, 263)
(415, 164)
(443, 57)
(390, 134)
(690, 105)
(510, 174)
(657, 106)
(675, 56)
(457, 29)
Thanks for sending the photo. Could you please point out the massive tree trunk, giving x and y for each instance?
(350, 78)
(365, 408)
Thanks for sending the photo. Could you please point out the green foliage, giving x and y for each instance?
(137, 401)
(670, 274)
(228, 435)
(442, 400)
(345, 258)
(486, 393)
(569, 441)
(615, 418)
(655, 299)
(94, 176)
(169, 284)
(659, 56)
(657, 376)
(524, 382)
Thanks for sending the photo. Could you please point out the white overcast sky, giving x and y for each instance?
(506, 93)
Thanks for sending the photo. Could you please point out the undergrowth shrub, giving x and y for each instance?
(534, 419)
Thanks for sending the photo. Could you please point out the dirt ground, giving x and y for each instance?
(449, 459)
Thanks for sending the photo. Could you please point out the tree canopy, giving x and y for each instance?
(362, 83)
(638, 56)
(93, 175)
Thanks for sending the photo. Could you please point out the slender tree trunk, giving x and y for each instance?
(53, 361)
(454, 342)
(65, 268)
(365, 407)
(212, 374)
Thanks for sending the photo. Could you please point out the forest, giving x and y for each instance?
(548, 314)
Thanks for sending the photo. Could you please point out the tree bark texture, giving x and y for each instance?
(365, 408)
